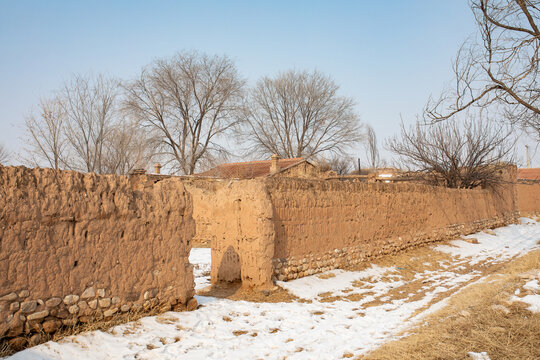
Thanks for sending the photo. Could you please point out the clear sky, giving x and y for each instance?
(388, 55)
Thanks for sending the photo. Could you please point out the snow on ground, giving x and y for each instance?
(200, 258)
(312, 329)
(531, 299)
(479, 356)
(508, 242)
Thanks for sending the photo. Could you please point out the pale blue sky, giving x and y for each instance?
(388, 55)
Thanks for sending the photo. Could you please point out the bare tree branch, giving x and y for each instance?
(501, 69)
(46, 142)
(128, 146)
(89, 107)
(372, 151)
(190, 99)
(461, 155)
(299, 114)
(4, 155)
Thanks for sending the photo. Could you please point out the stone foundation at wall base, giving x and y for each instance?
(30, 322)
(295, 267)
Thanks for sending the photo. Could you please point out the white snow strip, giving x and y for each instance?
(532, 285)
(335, 281)
(509, 241)
(225, 329)
(478, 356)
(532, 300)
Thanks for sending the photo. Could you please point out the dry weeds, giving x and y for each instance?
(239, 332)
(471, 323)
(235, 291)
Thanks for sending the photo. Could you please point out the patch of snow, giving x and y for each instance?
(510, 241)
(201, 260)
(335, 281)
(532, 285)
(478, 356)
(532, 300)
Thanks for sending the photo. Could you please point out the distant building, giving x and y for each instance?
(528, 174)
(297, 167)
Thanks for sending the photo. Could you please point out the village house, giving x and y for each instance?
(295, 167)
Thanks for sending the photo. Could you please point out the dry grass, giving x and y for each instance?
(471, 323)
(239, 332)
(235, 291)
(326, 276)
(5, 350)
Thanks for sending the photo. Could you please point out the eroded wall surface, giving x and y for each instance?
(528, 193)
(75, 247)
(322, 225)
(235, 217)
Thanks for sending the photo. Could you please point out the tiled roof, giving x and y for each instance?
(249, 169)
(529, 173)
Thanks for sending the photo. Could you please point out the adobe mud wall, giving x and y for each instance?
(75, 247)
(528, 194)
(235, 217)
(322, 225)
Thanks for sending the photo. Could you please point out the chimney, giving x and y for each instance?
(157, 169)
(274, 167)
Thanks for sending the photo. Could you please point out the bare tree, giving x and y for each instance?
(4, 155)
(46, 141)
(499, 70)
(299, 114)
(128, 146)
(190, 99)
(89, 107)
(82, 128)
(340, 164)
(461, 155)
(372, 150)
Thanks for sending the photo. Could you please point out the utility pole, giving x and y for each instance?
(528, 161)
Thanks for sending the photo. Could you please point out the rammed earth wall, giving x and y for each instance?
(235, 217)
(322, 225)
(284, 228)
(528, 197)
(76, 247)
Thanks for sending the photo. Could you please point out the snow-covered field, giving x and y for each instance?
(365, 312)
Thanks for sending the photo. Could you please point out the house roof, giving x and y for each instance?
(249, 169)
(529, 173)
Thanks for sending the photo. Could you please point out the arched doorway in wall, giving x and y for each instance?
(229, 268)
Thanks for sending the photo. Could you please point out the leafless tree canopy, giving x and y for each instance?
(499, 70)
(81, 128)
(89, 105)
(342, 165)
(190, 99)
(127, 147)
(372, 150)
(462, 155)
(4, 155)
(299, 114)
(46, 141)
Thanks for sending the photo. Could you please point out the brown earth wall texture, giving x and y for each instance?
(235, 217)
(75, 247)
(322, 225)
(529, 198)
